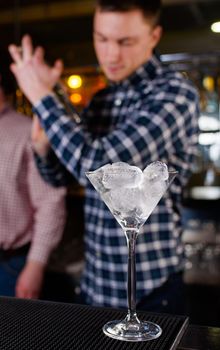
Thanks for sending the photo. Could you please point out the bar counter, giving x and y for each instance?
(45, 325)
(200, 338)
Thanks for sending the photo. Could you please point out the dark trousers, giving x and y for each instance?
(169, 298)
(9, 272)
(11, 264)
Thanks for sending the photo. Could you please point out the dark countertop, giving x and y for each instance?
(44, 325)
(200, 338)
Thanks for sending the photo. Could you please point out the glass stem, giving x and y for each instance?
(131, 236)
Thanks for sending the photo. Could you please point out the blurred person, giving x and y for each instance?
(32, 212)
(147, 112)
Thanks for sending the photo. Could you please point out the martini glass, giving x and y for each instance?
(131, 195)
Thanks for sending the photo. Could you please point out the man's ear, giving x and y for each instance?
(156, 35)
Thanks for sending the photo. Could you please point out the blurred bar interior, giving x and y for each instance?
(64, 28)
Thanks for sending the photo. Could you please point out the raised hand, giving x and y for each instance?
(34, 76)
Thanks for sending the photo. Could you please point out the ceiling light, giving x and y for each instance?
(215, 27)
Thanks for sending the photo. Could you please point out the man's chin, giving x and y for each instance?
(114, 77)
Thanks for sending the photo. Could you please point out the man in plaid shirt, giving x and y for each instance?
(147, 113)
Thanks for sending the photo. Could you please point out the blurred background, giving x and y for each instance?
(65, 27)
(192, 45)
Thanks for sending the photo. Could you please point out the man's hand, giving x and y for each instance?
(30, 281)
(34, 76)
(39, 138)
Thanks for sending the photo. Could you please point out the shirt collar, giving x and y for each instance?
(147, 72)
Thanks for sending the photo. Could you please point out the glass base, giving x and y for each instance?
(130, 331)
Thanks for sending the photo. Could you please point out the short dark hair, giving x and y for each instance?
(150, 8)
(7, 80)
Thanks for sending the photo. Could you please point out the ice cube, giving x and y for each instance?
(156, 171)
(124, 199)
(96, 177)
(154, 184)
(156, 189)
(121, 174)
(151, 193)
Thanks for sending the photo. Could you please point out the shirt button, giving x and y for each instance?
(118, 102)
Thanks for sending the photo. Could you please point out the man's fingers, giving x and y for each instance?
(58, 64)
(58, 68)
(23, 53)
(13, 68)
(15, 53)
(39, 54)
(27, 47)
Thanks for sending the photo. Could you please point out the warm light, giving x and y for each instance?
(74, 81)
(215, 27)
(76, 98)
(18, 93)
(208, 83)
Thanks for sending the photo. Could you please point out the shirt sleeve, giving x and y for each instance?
(52, 170)
(49, 212)
(166, 129)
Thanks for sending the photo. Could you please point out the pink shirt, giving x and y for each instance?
(30, 209)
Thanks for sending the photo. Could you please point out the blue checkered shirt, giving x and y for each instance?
(152, 115)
